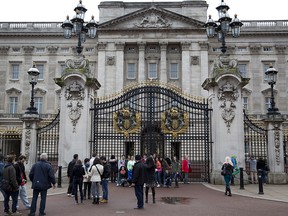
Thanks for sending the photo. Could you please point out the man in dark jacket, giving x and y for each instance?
(139, 178)
(1, 173)
(69, 174)
(9, 174)
(42, 178)
(104, 179)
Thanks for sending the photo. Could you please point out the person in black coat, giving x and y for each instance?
(69, 174)
(42, 178)
(139, 178)
(77, 174)
(227, 170)
(151, 180)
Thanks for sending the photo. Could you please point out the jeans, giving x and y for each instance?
(105, 188)
(14, 196)
(43, 194)
(227, 179)
(159, 177)
(70, 187)
(139, 195)
(77, 183)
(185, 178)
(23, 196)
(175, 177)
(95, 189)
(87, 185)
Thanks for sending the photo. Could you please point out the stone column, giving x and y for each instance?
(224, 89)
(78, 90)
(186, 74)
(101, 66)
(29, 138)
(275, 149)
(204, 64)
(141, 66)
(119, 76)
(163, 62)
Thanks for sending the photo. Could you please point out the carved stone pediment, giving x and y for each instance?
(151, 18)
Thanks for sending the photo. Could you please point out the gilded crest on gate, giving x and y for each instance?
(127, 121)
(174, 121)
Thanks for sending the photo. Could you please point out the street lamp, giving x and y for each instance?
(223, 25)
(271, 77)
(33, 74)
(79, 28)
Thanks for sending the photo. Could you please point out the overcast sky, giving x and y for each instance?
(56, 10)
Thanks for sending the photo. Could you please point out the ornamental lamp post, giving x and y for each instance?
(77, 27)
(223, 25)
(33, 74)
(271, 77)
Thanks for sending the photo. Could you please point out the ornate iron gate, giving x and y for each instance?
(153, 118)
(48, 141)
(255, 138)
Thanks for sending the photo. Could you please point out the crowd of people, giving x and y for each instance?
(88, 178)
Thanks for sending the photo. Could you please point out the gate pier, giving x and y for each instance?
(78, 91)
(224, 87)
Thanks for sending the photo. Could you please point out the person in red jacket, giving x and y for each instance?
(185, 169)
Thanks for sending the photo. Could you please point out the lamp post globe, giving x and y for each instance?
(33, 74)
(271, 77)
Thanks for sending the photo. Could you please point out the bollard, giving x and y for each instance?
(260, 181)
(241, 179)
(59, 177)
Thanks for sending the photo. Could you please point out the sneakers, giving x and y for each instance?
(103, 201)
(69, 195)
(7, 213)
(16, 213)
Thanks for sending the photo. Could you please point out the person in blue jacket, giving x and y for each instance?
(42, 178)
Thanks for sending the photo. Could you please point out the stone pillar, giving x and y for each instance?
(163, 62)
(224, 88)
(203, 64)
(119, 76)
(141, 67)
(29, 138)
(78, 90)
(101, 66)
(186, 74)
(275, 149)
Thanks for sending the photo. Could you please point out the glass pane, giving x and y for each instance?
(38, 101)
(40, 67)
(174, 71)
(152, 70)
(131, 72)
(13, 103)
(15, 71)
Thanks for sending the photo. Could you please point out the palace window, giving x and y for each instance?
(13, 105)
(40, 67)
(174, 71)
(245, 103)
(243, 70)
(267, 102)
(39, 104)
(152, 71)
(15, 71)
(131, 71)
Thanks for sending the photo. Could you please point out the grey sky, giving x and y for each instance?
(56, 10)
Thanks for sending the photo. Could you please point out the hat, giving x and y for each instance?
(138, 157)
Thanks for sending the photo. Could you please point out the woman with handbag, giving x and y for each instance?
(87, 180)
(227, 170)
(95, 172)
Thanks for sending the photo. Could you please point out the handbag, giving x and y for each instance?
(6, 185)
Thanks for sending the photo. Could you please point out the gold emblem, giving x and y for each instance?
(174, 121)
(126, 121)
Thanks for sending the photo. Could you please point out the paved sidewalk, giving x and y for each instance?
(271, 192)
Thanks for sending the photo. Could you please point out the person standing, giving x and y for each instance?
(150, 175)
(22, 179)
(87, 180)
(185, 169)
(139, 180)
(1, 173)
(42, 178)
(105, 178)
(9, 175)
(130, 165)
(113, 165)
(227, 169)
(95, 172)
(69, 174)
(121, 163)
(77, 174)
(253, 170)
(175, 171)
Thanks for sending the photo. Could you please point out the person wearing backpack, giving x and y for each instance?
(105, 178)
(12, 188)
(227, 170)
